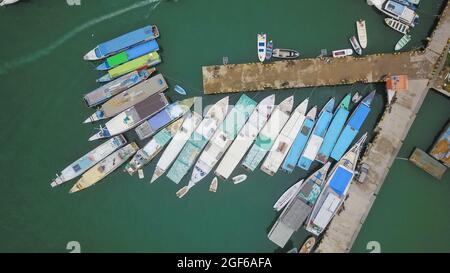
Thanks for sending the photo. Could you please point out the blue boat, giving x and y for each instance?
(129, 54)
(121, 43)
(180, 90)
(352, 127)
(300, 141)
(333, 132)
(316, 138)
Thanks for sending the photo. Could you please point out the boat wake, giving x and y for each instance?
(7, 66)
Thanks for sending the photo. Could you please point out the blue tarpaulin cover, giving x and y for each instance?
(126, 40)
(359, 116)
(340, 180)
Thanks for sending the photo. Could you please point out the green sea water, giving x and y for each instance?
(43, 78)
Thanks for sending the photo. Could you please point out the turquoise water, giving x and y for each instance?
(43, 78)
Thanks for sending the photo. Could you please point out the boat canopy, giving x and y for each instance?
(124, 41)
(341, 178)
(359, 116)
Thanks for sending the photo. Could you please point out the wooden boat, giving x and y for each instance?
(130, 97)
(342, 52)
(107, 91)
(281, 53)
(239, 178)
(85, 162)
(132, 117)
(287, 196)
(362, 33)
(285, 139)
(198, 141)
(356, 97)
(355, 45)
(397, 11)
(308, 245)
(335, 190)
(180, 90)
(397, 25)
(246, 137)
(214, 184)
(402, 42)
(316, 139)
(300, 141)
(7, 2)
(153, 147)
(268, 134)
(145, 61)
(122, 42)
(262, 46)
(269, 50)
(190, 123)
(222, 139)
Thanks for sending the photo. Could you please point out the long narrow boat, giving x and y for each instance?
(7, 2)
(335, 129)
(397, 25)
(300, 141)
(107, 91)
(222, 139)
(342, 52)
(246, 137)
(268, 134)
(153, 147)
(190, 123)
(402, 42)
(269, 50)
(130, 97)
(287, 196)
(198, 140)
(335, 190)
(308, 245)
(282, 53)
(88, 160)
(362, 33)
(105, 167)
(285, 139)
(132, 117)
(397, 11)
(315, 141)
(121, 43)
(129, 55)
(145, 61)
(166, 116)
(262, 46)
(355, 45)
(352, 127)
(299, 207)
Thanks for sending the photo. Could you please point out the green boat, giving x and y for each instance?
(403, 41)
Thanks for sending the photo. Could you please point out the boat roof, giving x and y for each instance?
(340, 180)
(237, 117)
(359, 116)
(134, 64)
(151, 105)
(126, 40)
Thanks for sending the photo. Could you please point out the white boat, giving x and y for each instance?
(335, 190)
(402, 42)
(397, 11)
(88, 160)
(214, 185)
(141, 174)
(282, 53)
(7, 2)
(239, 178)
(362, 33)
(285, 139)
(356, 97)
(190, 123)
(262, 47)
(342, 52)
(287, 196)
(246, 137)
(268, 134)
(355, 45)
(397, 25)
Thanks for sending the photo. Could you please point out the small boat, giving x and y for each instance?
(145, 61)
(403, 41)
(141, 174)
(397, 25)
(121, 43)
(308, 245)
(342, 52)
(262, 47)
(88, 160)
(130, 97)
(287, 196)
(269, 50)
(316, 139)
(105, 167)
(152, 148)
(356, 97)
(7, 2)
(281, 53)
(355, 45)
(180, 90)
(268, 134)
(335, 190)
(285, 139)
(300, 141)
(129, 54)
(214, 184)
(198, 141)
(397, 11)
(132, 117)
(352, 127)
(246, 137)
(362, 33)
(190, 123)
(109, 90)
(239, 178)
(164, 117)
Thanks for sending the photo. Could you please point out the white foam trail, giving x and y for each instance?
(5, 67)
